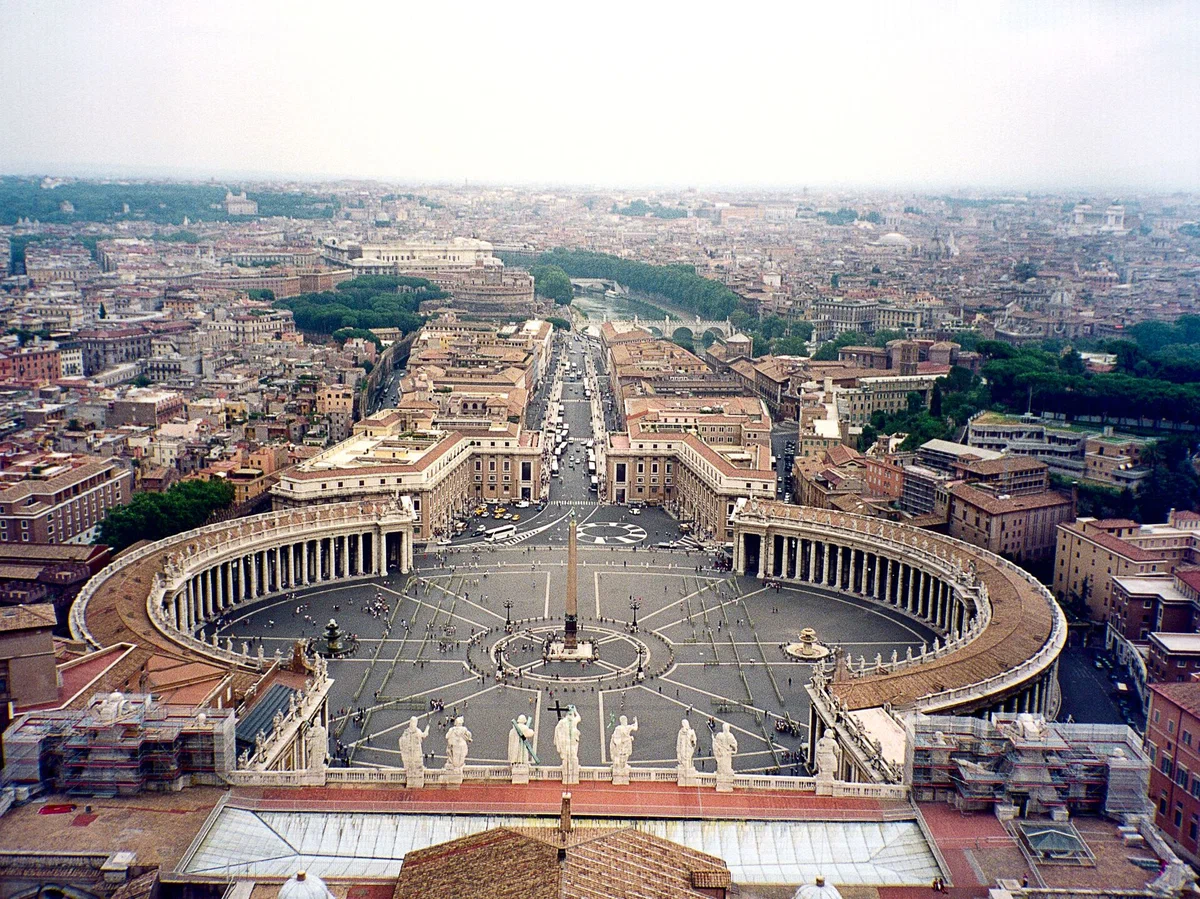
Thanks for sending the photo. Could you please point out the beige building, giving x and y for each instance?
(60, 498)
(1021, 527)
(695, 455)
(443, 472)
(1091, 553)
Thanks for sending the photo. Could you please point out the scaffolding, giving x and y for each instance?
(119, 747)
(1025, 762)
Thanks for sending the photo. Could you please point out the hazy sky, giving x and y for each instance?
(1024, 95)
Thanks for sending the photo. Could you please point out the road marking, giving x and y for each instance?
(596, 579)
(546, 612)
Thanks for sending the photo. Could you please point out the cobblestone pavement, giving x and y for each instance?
(711, 644)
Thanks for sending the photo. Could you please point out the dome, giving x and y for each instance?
(302, 885)
(817, 890)
(895, 239)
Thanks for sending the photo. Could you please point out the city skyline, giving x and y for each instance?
(1074, 97)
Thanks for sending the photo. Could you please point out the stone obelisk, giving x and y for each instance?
(571, 630)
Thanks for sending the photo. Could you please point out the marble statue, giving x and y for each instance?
(457, 738)
(520, 738)
(685, 748)
(412, 753)
(620, 745)
(111, 707)
(317, 747)
(829, 755)
(724, 748)
(566, 742)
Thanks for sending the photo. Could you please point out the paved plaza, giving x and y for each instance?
(709, 646)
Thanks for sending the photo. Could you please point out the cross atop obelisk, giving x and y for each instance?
(570, 634)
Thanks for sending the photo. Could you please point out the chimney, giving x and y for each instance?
(564, 821)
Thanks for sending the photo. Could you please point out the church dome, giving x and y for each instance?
(303, 885)
(817, 890)
(895, 239)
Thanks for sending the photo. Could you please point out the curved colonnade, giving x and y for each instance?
(161, 595)
(1000, 630)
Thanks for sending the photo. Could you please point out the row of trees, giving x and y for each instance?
(641, 208)
(92, 201)
(1060, 383)
(677, 283)
(370, 301)
(154, 516)
(773, 334)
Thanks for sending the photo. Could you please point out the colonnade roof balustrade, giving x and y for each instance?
(1023, 635)
(112, 607)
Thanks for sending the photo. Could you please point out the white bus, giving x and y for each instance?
(594, 484)
(505, 530)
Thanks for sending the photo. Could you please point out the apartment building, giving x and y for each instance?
(1173, 744)
(60, 498)
(1021, 527)
(1091, 552)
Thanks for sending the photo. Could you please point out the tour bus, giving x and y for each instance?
(505, 530)
(594, 484)
(554, 468)
(591, 466)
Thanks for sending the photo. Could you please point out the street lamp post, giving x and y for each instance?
(634, 606)
(508, 625)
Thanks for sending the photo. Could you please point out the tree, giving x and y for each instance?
(935, 401)
(103, 313)
(915, 402)
(560, 323)
(1023, 271)
(790, 346)
(678, 283)
(155, 516)
(142, 380)
(552, 282)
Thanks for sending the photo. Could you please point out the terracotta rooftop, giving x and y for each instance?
(597, 864)
(1186, 695)
(995, 505)
(19, 618)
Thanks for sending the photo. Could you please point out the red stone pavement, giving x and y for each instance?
(650, 800)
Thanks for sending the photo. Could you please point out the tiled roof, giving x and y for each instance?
(19, 618)
(1186, 695)
(994, 505)
(515, 863)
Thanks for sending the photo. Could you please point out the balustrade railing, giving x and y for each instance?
(587, 774)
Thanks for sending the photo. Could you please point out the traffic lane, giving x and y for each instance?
(1087, 691)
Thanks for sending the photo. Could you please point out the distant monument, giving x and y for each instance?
(570, 648)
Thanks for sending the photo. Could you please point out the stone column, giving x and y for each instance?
(214, 576)
(177, 610)
(381, 551)
(825, 565)
(278, 569)
(304, 562)
(356, 566)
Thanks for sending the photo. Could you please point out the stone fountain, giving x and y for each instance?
(807, 648)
